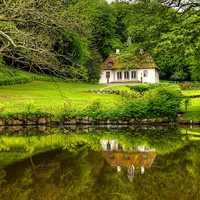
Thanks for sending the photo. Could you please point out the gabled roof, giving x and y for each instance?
(123, 61)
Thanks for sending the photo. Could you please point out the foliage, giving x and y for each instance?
(81, 169)
(59, 100)
(51, 36)
(141, 88)
(164, 101)
(159, 102)
(190, 86)
(73, 41)
(11, 76)
(171, 37)
(186, 85)
(123, 91)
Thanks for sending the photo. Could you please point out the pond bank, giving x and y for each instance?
(49, 130)
(46, 120)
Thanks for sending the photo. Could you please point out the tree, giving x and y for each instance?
(43, 36)
(177, 51)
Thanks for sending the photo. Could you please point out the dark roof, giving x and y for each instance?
(121, 61)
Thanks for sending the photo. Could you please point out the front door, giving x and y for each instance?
(108, 77)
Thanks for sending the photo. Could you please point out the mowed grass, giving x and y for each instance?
(52, 96)
(191, 92)
(193, 112)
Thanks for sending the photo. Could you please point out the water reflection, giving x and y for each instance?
(158, 164)
(132, 160)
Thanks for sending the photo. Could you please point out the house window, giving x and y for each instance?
(107, 74)
(133, 74)
(145, 73)
(126, 75)
(110, 64)
(108, 146)
(119, 75)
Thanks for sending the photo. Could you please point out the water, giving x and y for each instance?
(150, 164)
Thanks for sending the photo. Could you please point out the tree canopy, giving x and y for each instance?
(71, 38)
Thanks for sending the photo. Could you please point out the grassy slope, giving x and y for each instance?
(9, 75)
(12, 76)
(44, 92)
(51, 96)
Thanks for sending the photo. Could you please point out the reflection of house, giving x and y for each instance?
(140, 158)
(110, 145)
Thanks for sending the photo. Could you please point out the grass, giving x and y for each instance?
(40, 92)
(12, 76)
(117, 87)
(21, 90)
(193, 112)
(191, 92)
(51, 96)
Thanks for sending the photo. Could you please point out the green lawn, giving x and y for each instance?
(51, 96)
(191, 92)
(194, 105)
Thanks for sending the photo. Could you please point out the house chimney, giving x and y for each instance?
(117, 51)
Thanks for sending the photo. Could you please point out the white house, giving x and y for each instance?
(119, 69)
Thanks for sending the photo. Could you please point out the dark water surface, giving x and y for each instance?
(148, 164)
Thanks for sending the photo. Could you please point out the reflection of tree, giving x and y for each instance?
(20, 147)
(85, 175)
(2, 179)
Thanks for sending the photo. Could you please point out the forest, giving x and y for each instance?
(71, 38)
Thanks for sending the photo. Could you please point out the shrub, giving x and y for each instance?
(185, 85)
(123, 93)
(93, 110)
(140, 88)
(189, 85)
(69, 111)
(136, 109)
(156, 103)
(164, 102)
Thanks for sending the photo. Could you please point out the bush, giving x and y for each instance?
(189, 85)
(123, 93)
(136, 109)
(156, 103)
(185, 85)
(140, 88)
(164, 102)
(94, 110)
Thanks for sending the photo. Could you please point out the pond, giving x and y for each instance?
(151, 163)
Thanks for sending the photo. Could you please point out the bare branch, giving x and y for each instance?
(8, 38)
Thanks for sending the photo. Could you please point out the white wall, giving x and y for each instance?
(103, 78)
(114, 145)
(152, 76)
(157, 76)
